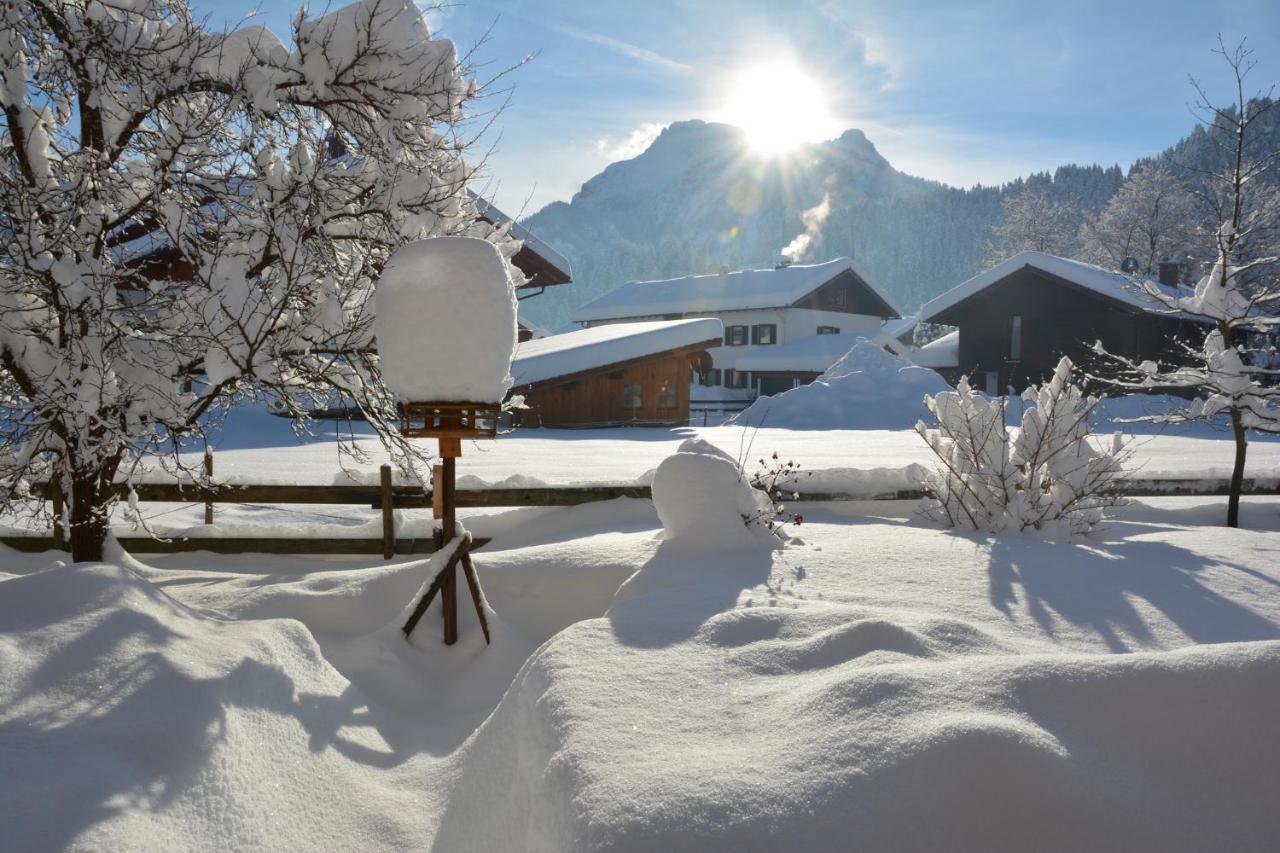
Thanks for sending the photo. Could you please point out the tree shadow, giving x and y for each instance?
(1094, 586)
(679, 589)
(140, 738)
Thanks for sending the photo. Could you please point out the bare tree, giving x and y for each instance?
(1030, 221)
(273, 180)
(1152, 218)
(1241, 292)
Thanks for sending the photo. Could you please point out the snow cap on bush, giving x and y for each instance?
(704, 501)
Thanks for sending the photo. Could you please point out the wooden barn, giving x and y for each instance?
(1017, 319)
(624, 374)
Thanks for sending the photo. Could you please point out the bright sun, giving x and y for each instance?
(779, 106)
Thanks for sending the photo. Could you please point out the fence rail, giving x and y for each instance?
(388, 498)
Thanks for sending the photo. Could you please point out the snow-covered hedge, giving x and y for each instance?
(1051, 476)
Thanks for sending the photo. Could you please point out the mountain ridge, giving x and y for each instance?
(697, 199)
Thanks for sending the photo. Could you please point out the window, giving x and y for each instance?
(735, 336)
(828, 330)
(764, 334)
(1015, 337)
(710, 377)
(735, 379)
(666, 394)
(631, 397)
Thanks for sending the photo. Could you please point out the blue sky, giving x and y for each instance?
(960, 92)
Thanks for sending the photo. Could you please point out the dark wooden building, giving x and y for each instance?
(625, 374)
(1017, 319)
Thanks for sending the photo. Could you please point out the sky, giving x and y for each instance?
(960, 92)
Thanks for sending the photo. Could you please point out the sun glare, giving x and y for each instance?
(779, 106)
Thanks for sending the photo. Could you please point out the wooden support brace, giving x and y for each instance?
(437, 585)
(477, 594)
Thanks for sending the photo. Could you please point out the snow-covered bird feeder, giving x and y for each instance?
(446, 329)
(445, 325)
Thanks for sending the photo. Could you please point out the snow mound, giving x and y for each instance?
(693, 718)
(703, 500)
(867, 388)
(446, 321)
(126, 716)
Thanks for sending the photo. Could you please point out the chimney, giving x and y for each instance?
(1170, 273)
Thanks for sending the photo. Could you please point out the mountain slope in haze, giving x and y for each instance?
(697, 199)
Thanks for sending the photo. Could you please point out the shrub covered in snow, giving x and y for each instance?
(867, 388)
(1050, 476)
(704, 501)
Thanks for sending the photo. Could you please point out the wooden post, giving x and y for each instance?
(55, 495)
(208, 473)
(450, 450)
(388, 515)
(437, 505)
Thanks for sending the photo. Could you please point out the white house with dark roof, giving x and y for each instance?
(764, 312)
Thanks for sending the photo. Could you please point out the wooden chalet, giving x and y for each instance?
(622, 374)
(764, 311)
(1017, 319)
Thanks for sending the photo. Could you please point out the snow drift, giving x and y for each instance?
(867, 388)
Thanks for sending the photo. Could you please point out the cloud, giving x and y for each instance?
(641, 54)
(632, 145)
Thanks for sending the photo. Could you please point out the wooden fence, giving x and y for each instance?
(387, 497)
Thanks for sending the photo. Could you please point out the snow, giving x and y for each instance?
(943, 352)
(733, 291)
(1113, 285)
(446, 321)
(868, 388)
(877, 683)
(703, 500)
(541, 359)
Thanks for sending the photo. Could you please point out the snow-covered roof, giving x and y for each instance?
(813, 354)
(732, 291)
(944, 352)
(1113, 285)
(587, 349)
(493, 215)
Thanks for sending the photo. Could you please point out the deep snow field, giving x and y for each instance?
(877, 683)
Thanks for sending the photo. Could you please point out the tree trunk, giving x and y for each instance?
(90, 511)
(1237, 472)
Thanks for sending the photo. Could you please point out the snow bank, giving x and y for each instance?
(446, 321)
(129, 721)
(737, 708)
(866, 389)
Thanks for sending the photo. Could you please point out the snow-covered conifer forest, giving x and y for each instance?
(754, 493)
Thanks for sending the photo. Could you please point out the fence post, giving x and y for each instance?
(388, 515)
(55, 495)
(208, 473)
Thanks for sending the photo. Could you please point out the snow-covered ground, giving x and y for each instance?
(258, 447)
(877, 684)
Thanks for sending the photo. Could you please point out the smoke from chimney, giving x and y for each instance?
(813, 218)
